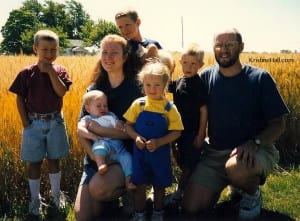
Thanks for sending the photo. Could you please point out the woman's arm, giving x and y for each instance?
(85, 133)
(104, 131)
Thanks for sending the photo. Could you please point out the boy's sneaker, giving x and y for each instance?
(138, 217)
(59, 200)
(234, 194)
(35, 207)
(250, 205)
(157, 216)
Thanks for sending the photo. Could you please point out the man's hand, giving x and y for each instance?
(246, 153)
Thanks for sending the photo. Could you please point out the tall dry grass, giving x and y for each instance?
(13, 181)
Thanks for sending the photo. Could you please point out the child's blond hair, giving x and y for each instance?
(155, 68)
(47, 35)
(166, 58)
(92, 95)
(194, 50)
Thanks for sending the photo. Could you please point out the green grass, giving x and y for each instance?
(281, 193)
(281, 201)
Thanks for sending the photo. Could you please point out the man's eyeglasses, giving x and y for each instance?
(228, 45)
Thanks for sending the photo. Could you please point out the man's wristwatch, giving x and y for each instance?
(257, 141)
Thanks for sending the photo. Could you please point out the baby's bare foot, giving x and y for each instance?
(102, 169)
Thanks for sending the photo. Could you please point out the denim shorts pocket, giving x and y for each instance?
(60, 120)
(29, 126)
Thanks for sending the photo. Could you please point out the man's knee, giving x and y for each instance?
(197, 200)
(240, 175)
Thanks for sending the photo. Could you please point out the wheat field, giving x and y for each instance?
(285, 69)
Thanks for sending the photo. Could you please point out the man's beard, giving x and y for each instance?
(228, 63)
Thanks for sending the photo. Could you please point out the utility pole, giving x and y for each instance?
(182, 44)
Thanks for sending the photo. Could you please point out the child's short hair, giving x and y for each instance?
(92, 95)
(166, 58)
(127, 12)
(194, 50)
(45, 35)
(155, 68)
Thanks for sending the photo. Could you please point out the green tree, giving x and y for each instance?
(27, 39)
(68, 20)
(33, 6)
(78, 18)
(55, 15)
(93, 32)
(18, 22)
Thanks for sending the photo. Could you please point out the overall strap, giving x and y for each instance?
(168, 106)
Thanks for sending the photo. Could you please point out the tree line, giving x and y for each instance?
(68, 20)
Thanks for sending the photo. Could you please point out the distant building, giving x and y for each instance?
(79, 51)
(75, 47)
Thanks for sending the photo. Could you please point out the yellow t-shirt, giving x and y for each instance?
(158, 106)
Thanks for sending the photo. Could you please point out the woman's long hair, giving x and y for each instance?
(130, 67)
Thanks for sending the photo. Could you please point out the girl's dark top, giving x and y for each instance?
(189, 95)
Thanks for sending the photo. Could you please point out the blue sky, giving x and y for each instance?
(266, 25)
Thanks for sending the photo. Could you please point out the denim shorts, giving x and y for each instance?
(44, 139)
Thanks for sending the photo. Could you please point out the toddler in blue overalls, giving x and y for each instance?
(153, 122)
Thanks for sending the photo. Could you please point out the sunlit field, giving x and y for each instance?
(14, 193)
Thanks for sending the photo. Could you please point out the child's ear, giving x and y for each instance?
(138, 21)
(34, 48)
(201, 65)
(86, 107)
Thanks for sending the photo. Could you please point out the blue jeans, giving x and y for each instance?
(44, 139)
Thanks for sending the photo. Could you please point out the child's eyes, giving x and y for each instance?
(51, 50)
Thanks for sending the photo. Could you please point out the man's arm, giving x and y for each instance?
(246, 152)
(272, 132)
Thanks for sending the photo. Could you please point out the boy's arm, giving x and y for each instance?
(199, 139)
(57, 84)
(154, 144)
(22, 111)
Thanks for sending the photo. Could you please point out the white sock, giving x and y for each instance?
(55, 183)
(34, 186)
